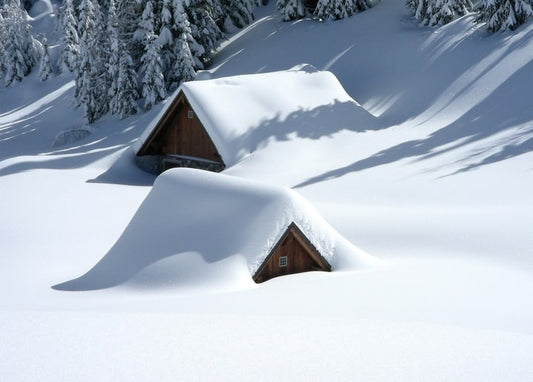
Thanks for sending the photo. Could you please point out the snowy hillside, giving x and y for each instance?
(438, 192)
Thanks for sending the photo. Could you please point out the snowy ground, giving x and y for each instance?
(442, 195)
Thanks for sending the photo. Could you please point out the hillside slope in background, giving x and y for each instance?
(438, 192)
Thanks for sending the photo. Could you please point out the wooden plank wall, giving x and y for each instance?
(182, 135)
(299, 259)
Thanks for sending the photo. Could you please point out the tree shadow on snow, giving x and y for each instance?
(322, 121)
(502, 116)
(28, 132)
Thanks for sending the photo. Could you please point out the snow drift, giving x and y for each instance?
(217, 227)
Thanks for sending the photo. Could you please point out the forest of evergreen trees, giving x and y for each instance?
(124, 54)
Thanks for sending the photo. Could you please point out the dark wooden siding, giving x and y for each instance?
(177, 134)
(301, 255)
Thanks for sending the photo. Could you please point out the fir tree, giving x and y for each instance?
(184, 59)
(3, 37)
(183, 26)
(129, 14)
(69, 55)
(126, 95)
(204, 29)
(91, 72)
(238, 13)
(113, 65)
(166, 41)
(291, 9)
(20, 50)
(153, 81)
(45, 68)
(504, 14)
(361, 5)
(334, 9)
(440, 12)
(123, 78)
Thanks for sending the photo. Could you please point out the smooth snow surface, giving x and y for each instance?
(440, 194)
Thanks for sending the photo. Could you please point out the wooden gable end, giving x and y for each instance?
(293, 253)
(180, 133)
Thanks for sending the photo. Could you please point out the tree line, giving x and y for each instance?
(126, 53)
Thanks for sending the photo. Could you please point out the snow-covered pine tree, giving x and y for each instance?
(291, 9)
(45, 68)
(183, 69)
(440, 12)
(127, 94)
(153, 80)
(411, 6)
(91, 72)
(2, 38)
(334, 9)
(185, 62)
(183, 26)
(114, 57)
(166, 41)
(504, 14)
(418, 9)
(20, 50)
(203, 27)
(237, 13)
(123, 78)
(361, 5)
(71, 42)
(129, 14)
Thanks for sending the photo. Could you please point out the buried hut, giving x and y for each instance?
(199, 227)
(213, 124)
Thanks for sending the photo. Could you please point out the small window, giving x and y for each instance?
(190, 114)
(283, 261)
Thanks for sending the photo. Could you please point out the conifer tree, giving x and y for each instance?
(20, 50)
(361, 5)
(184, 59)
(440, 12)
(334, 9)
(291, 9)
(204, 29)
(2, 38)
(153, 81)
(45, 68)
(166, 41)
(69, 55)
(91, 72)
(127, 94)
(182, 25)
(238, 13)
(114, 57)
(123, 78)
(504, 14)
(129, 14)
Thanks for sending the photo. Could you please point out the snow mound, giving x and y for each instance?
(246, 112)
(210, 227)
(72, 135)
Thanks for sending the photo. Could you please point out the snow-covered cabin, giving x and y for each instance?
(198, 227)
(213, 124)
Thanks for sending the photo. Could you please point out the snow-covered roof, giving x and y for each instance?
(219, 218)
(241, 112)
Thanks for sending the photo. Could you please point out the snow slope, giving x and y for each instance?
(441, 194)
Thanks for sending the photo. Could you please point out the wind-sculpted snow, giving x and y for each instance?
(203, 218)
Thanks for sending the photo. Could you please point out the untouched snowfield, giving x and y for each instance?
(440, 194)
